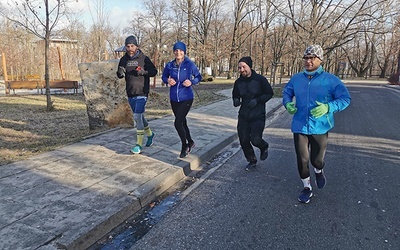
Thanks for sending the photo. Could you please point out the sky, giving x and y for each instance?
(121, 11)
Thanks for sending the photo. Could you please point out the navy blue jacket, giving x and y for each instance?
(186, 70)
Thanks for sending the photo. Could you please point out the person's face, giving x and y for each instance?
(311, 62)
(244, 69)
(179, 54)
(131, 49)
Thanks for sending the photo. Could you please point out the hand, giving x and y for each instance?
(252, 103)
(121, 71)
(141, 71)
(187, 83)
(320, 110)
(290, 107)
(236, 102)
(171, 81)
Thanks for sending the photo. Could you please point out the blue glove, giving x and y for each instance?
(291, 108)
(320, 110)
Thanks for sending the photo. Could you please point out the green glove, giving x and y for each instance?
(320, 110)
(290, 107)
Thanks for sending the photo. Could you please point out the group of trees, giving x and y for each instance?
(360, 37)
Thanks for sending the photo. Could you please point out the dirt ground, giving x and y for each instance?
(27, 129)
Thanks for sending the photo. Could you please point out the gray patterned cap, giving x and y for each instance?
(314, 50)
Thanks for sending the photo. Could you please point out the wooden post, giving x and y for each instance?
(3, 57)
(60, 63)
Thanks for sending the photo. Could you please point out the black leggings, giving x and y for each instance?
(181, 109)
(310, 148)
(250, 133)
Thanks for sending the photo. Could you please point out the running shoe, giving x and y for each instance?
(150, 139)
(320, 179)
(136, 149)
(190, 146)
(305, 195)
(251, 166)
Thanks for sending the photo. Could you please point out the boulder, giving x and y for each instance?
(105, 96)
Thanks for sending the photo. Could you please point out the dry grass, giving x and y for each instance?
(27, 129)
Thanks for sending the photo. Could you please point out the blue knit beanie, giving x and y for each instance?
(180, 45)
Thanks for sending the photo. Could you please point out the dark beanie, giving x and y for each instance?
(247, 60)
(131, 40)
(179, 45)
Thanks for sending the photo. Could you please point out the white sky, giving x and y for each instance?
(120, 10)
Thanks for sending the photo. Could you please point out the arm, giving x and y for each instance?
(267, 92)
(165, 74)
(149, 67)
(341, 98)
(121, 68)
(196, 74)
(236, 95)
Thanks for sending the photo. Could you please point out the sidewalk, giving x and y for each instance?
(71, 197)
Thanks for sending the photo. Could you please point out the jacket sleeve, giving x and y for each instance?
(196, 74)
(121, 63)
(267, 92)
(149, 66)
(288, 93)
(341, 98)
(165, 74)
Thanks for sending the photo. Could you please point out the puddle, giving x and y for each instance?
(125, 236)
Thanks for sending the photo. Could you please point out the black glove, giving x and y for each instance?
(121, 71)
(236, 102)
(142, 72)
(252, 103)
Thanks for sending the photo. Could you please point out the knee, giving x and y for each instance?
(318, 164)
(137, 116)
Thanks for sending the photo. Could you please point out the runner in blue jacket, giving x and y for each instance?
(313, 96)
(180, 75)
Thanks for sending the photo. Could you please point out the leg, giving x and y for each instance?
(181, 109)
(138, 107)
(244, 129)
(301, 145)
(256, 132)
(302, 154)
(318, 150)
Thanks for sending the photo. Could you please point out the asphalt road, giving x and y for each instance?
(358, 209)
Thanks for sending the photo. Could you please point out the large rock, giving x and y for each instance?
(105, 96)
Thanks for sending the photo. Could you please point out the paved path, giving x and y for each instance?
(71, 197)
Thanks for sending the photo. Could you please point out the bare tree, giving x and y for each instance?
(39, 17)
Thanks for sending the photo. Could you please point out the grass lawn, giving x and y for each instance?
(27, 129)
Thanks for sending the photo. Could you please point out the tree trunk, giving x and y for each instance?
(46, 59)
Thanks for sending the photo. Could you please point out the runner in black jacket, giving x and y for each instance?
(137, 69)
(251, 91)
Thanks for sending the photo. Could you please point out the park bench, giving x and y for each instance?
(40, 85)
(13, 85)
(62, 84)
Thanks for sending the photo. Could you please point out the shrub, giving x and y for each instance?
(394, 79)
(206, 78)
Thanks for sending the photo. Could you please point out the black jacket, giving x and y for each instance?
(137, 85)
(246, 89)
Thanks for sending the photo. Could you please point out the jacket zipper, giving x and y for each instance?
(179, 82)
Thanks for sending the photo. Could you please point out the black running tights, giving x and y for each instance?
(310, 148)
(181, 109)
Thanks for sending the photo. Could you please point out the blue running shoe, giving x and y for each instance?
(320, 179)
(305, 195)
(136, 149)
(150, 139)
